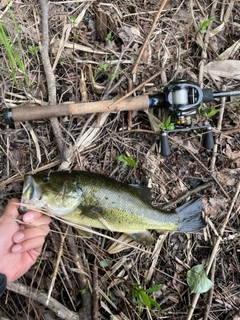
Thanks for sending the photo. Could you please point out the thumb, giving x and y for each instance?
(11, 209)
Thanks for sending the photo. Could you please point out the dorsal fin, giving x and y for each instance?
(143, 191)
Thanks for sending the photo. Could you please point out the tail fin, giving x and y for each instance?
(190, 216)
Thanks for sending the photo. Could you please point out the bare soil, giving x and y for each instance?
(93, 48)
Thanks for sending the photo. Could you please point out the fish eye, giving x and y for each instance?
(45, 178)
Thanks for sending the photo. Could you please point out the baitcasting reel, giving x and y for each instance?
(182, 98)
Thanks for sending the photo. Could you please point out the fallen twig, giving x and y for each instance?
(149, 35)
(34, 294)
(219, 126)
(215, 250)
(95, 292)
(187, 194)
(85, 313)
(60, 251)
(44, 48)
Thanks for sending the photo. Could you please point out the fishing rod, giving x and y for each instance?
(181, 98)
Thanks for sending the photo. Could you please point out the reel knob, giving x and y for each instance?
(165, 149)
(208, 141)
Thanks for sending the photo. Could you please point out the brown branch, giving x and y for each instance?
(85, 313)
(95, 297)
(214, 251)
(187, 194)
(34, 294)
(44, 49)
(149, 36)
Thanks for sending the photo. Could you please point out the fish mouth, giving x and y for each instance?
(30, 195)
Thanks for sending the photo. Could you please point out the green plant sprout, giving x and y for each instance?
(102, 67)
(14, 52)
(141, 296)
(210, 112)
(73, 19)
(168, 125)
(106, 67)
(202, 27)
(127, 161)
(108, 37)
(33, 49)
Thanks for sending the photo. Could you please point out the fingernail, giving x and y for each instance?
(19, 236)
(16, 248)
(28, 217)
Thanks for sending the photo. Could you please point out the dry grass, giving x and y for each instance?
(77, 35)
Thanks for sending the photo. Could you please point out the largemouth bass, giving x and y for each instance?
(94, 200)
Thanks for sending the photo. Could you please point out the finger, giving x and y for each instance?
(31, 216)
(31, 244)
(36, 218)
(30, 233)
(11, 209)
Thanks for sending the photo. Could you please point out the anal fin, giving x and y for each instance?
(142, 237)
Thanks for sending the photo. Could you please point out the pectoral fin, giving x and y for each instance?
(94, 212)
(143, 237)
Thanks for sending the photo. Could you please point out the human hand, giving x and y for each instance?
(20, 245)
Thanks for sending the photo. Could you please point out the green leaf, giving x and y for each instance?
(108, 37)
(106, 263)
(154, 303)
(141, 297)
(127, 161)
(197, 279)
(155, 288)
(145, 299)
(211, 112)
(206, 23)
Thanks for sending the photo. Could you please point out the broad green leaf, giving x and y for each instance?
(197, 279)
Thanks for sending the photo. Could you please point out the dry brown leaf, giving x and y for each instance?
(223, 68)
(209, 209)
(225, 179)
(229, 52)
(233, 155)
(129, 33)
(218, 202)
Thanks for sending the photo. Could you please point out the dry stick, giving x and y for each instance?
(55, 306)
(230, 131)
(206, 42)
(44, 49)
(95, 297)
(60, 251)
(137, 88)
(187, 194)
(149, 35)
(219, 126)
(124, 49)
(204, 167)
(85, 313)
(215, 250)
(211, 291)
